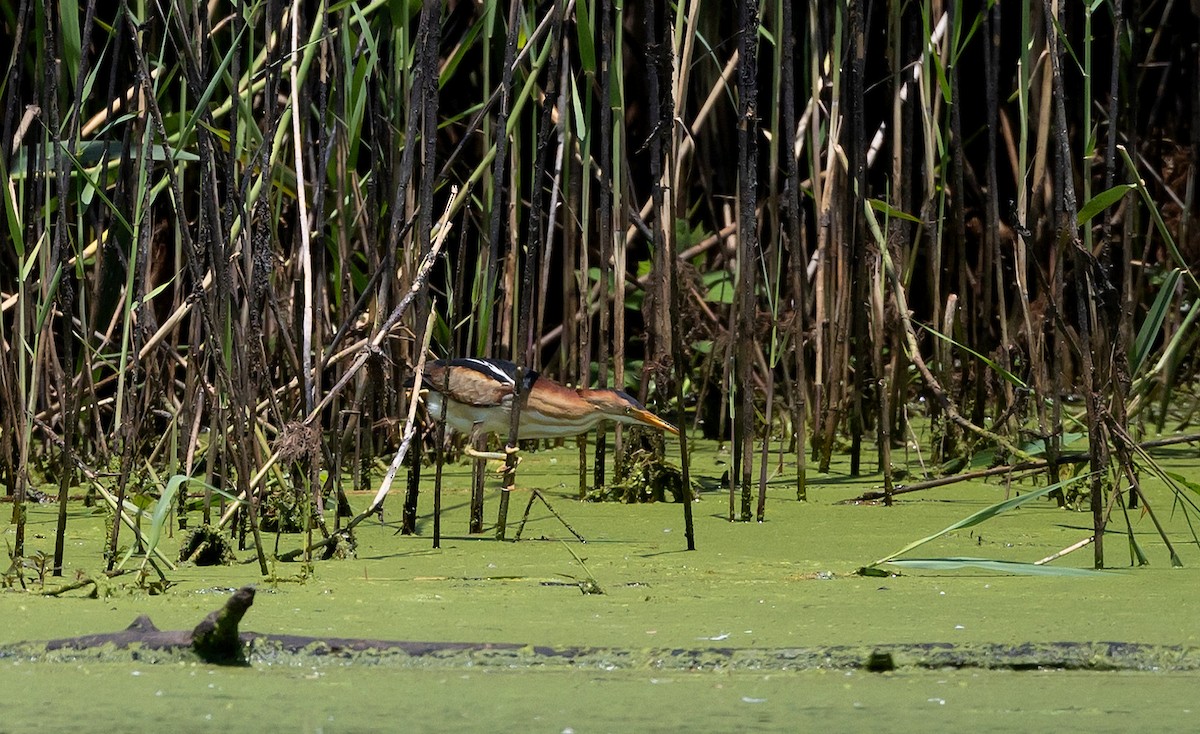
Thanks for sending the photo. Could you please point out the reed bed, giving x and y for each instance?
(233, 229)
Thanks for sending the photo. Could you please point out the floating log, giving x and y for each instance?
(217, 640)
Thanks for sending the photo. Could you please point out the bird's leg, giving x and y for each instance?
(581, 439)
(478, 467)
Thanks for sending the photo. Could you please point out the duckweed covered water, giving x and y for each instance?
(196, 698)
(785, 583)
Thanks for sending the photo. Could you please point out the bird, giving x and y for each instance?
(477, 396)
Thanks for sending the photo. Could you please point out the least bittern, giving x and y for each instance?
(477, 395)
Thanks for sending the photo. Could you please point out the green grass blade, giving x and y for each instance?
(1183, 481)
(1037, 447)
(890, 211)
(984, 515)
(587, 48)
(162, 509)
(1171, 351)
(11, 218)
(72, 43)
(1015, 567)
(218, 78)
(1153, 322)
(1153, 207)
(942, 80)
(460, 52)
(51, 299)
(1100, 202)
(991, 364)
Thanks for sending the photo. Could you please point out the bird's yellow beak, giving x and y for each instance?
(647, 418)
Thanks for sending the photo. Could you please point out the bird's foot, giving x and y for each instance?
(495, 455)
(500, 456)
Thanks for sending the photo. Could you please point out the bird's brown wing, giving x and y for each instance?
(470, 381)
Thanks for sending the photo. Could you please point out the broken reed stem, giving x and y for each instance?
(371, 347)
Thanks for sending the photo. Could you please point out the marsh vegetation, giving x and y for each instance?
(933, 237)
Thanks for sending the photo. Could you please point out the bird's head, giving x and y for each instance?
(622, 407)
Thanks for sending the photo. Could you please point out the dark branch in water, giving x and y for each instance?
(216, 638)
(142, 641)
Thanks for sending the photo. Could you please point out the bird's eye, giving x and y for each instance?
(628, 410)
